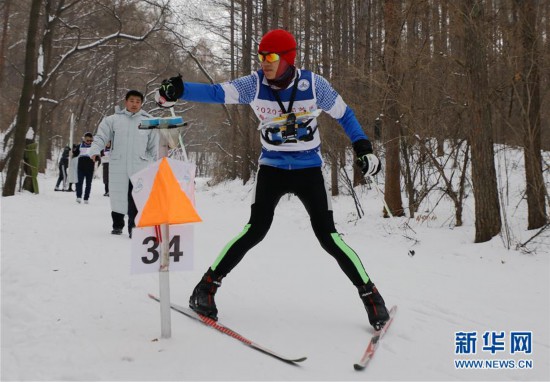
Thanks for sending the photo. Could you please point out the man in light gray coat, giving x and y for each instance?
(132, 150)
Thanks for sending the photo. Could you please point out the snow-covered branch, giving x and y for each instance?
(78, 47)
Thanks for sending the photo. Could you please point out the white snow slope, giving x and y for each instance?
(71, 310)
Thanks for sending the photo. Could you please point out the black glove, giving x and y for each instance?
(366, 160)
(169, 92)
(172, 89)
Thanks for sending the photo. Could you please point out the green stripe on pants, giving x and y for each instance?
(350, 253)
(226, 248)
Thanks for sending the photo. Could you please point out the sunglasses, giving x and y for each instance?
(88, 141)
(271, 57)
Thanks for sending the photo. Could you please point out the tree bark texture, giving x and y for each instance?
(25, 100)
(392, 193)
(487, 208)
(531, 104)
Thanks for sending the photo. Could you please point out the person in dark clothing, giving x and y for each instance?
(85, 167)
(105, 155)
(63, 165)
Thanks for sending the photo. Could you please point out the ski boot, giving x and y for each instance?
(374, 304)
(202, 299)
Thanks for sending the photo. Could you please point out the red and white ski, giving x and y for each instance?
(374, 342)
(225, 330)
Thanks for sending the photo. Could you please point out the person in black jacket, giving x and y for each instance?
(105, 155)
(63, 165)
(85, 167)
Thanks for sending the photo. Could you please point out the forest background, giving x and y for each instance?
(436, 84)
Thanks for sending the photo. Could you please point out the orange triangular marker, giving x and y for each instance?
(167, 202)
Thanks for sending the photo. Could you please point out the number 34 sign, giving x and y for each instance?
(146, 249)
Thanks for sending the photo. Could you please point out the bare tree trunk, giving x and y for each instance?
(275, 5)
(362, 39)
(368, 32)
(392, 193)
(247, 66)
(487, 208)
(337, 64)
(21, 125)
(265, 25)
(535, 189)
(286, 14)
(115, 71)
(234, 108)
(37, 109)
(439, 27)
(333, 157)
(307, 34)
(325, 56)
(6, 20)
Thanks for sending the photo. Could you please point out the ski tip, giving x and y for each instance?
(358, 367)
(299, 359)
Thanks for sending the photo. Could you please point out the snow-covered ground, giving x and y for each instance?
(71, 309)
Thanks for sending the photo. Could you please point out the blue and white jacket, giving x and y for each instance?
(313, 92)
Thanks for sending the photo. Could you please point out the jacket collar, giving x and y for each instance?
(140, 113)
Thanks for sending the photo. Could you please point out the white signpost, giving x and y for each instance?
(164, 195)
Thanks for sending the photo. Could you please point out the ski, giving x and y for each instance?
(225, 330)
(374, 342)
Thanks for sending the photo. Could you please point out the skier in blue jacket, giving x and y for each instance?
(288, 164)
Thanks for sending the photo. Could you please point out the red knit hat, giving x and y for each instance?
(279, 41)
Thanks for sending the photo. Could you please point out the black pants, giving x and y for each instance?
(118, 218)
(309, 186)
(84, 175)
(106, 176)
(62, 174)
